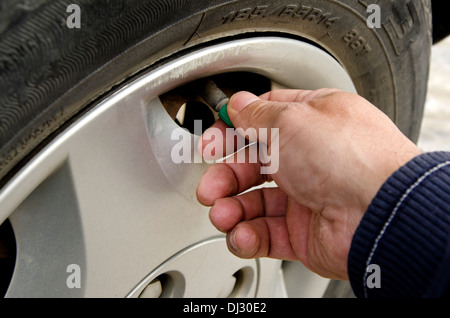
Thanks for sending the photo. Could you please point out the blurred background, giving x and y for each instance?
(435, 132)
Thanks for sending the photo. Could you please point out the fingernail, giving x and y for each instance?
(232, 241)
(241, 100)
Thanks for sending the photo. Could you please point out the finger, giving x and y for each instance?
(299, 220)
(250, 111)
(261, 237)
(226, 213)
(226, 179)
(277, 236)
(219, 141)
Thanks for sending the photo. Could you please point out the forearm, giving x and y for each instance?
(406, 232)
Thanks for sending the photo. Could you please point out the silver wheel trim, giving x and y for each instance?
(105, 195)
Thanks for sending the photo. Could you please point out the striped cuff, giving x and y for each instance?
(401, 247)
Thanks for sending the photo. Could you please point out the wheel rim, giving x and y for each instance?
(104, 194)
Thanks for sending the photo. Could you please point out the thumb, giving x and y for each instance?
(247, 110)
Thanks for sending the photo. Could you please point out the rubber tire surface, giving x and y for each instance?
(49, 72)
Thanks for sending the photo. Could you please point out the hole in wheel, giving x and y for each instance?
(7, 256)
(166, 285)
(185, 103)
(193, 111)
(243, 282)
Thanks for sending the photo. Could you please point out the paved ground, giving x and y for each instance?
(435, 132)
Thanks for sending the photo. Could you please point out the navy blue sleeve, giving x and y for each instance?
(405, 234)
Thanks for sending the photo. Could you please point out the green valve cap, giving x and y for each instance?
(223, 114)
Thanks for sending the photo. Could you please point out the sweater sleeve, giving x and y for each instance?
(401, 247)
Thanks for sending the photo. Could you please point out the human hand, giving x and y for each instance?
(335, 151)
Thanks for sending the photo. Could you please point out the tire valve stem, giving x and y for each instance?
(217, 99)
